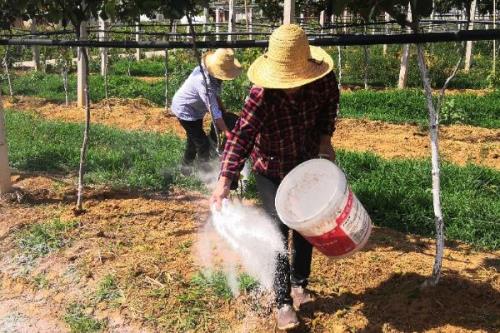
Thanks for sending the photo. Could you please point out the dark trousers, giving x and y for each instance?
(292, 271)
(197, 143)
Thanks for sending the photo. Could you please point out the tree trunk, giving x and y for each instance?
(246, 16)
(322, 20)
(436, 187)
(65, 81)
(35, 49)
(81, 68)
(386, 30)
(205, 24)
(344, 20)
(289, 12)
(494, 41)
(217, 22)
(250, 21)
(103, 51)
(367, 63)
(468, 50)
(166, 79)
(84, 149)
(403, 71)
(230, 21)
(138, 39)
(340, 66)
(7, 72)
(5, 182)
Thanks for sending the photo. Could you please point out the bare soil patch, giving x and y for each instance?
(459, 144)
(146, 242)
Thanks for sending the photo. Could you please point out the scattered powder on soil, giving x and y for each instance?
(144, 240)
(253, 236)
(459, 144)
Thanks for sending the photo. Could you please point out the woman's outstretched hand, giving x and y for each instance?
(220, 192)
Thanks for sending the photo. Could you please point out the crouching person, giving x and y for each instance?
(190, 103)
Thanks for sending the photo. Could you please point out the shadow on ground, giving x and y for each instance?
(400, 304)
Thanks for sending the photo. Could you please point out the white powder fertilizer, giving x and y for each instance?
(253, 236)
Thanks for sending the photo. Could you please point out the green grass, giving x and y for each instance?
(201, 295)
(383, 71)
(108, 289)
(115, 157)
(408, 106)
(41, 239)
(80, 322)
(396, 193)
(40, 281)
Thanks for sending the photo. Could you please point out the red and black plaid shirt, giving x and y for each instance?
(278, 132)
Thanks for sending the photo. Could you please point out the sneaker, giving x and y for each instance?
(286, 318)
(301, 296)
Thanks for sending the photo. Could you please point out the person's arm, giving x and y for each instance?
(239, 145)
(221, 126)
(328, 116)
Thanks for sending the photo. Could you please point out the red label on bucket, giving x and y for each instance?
(336, 242)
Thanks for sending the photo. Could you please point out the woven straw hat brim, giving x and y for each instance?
(224, 74)
(266, 73)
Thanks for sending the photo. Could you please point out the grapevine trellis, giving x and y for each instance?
(362, 30)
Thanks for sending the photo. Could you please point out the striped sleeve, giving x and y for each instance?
(240, 144)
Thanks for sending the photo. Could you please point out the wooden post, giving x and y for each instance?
(231, 19)
(289, 12)
(35, 49)
(5, 183)
(81, 66)
(104, 51)
(137, 39)
(468, 45)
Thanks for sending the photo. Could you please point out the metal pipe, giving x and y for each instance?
(434, 37)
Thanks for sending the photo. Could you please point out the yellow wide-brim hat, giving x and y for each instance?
(222, 64)
(289, 62)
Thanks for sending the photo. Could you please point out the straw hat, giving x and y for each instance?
(289, 62)
(221, 64)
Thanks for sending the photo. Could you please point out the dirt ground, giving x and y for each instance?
(147, 241)
(459, 144)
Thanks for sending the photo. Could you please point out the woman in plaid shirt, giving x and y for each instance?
(288, 118)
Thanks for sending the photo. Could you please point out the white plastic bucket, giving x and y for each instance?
(314, 200)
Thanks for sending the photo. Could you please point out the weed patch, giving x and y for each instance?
(42, 238)
(81, 322)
